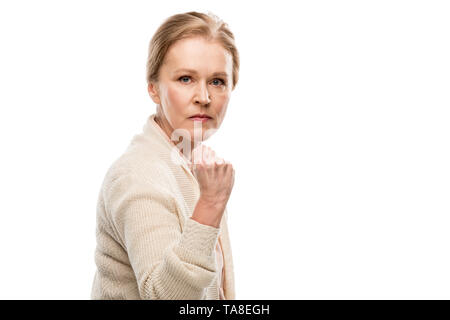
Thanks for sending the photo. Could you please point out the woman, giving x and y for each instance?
(161, 217)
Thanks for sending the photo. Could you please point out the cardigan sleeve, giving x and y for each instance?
(168, 264)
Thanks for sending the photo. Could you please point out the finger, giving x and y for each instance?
(208, 156)
(212, 156)
(197, 154)
(219, 160)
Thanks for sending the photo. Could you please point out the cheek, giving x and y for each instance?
(175, 106)
(222, 103)
(177, 99)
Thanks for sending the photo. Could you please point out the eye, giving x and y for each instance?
(221, 80)
(183, 77)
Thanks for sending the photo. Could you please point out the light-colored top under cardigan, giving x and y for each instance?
(147, 245)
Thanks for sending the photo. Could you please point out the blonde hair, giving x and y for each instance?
(185, 25)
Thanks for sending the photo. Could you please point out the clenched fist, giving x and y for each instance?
(216, 179)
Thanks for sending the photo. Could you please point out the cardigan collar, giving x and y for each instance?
(152, 127)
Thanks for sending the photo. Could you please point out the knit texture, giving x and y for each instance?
(148, 247)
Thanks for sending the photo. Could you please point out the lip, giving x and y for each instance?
(200, 117)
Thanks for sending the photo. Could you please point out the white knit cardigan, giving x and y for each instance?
(147, 245)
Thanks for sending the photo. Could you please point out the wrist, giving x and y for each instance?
(208, 213)
(213, 205)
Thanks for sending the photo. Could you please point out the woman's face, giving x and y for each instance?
(195, 78)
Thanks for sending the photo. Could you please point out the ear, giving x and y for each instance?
(153, 92)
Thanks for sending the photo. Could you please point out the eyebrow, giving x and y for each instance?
(219, 73)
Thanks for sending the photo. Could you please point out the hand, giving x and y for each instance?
(215, 177)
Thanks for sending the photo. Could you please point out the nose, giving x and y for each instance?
(202, 95)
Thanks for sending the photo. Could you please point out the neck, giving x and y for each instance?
(166, 128)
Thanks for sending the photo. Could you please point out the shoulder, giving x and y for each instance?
(128, 183)
(141, 165)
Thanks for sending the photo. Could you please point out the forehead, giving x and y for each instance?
(198, 54)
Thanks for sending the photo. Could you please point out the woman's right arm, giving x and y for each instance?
(169, 263)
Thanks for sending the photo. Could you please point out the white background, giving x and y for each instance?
(338, 130)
